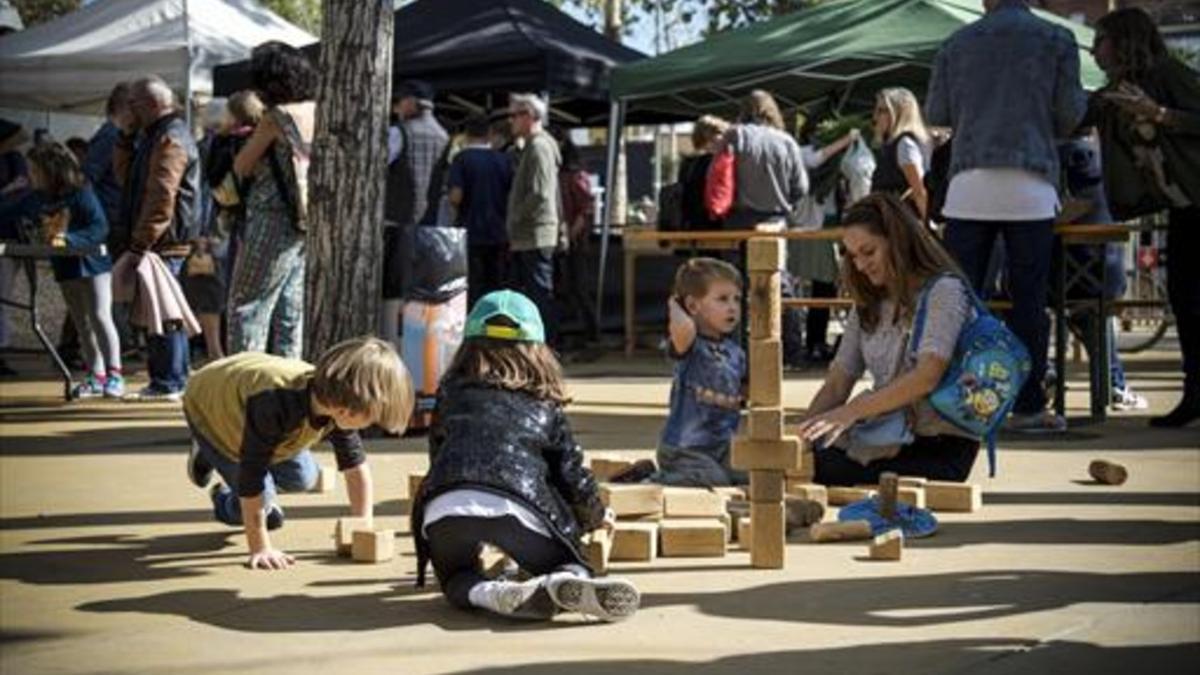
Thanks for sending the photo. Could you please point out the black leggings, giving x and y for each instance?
(934, 457)
(454, 544)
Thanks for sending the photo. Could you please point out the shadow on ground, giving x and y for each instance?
(977, 656)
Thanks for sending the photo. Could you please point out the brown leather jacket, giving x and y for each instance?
(159, 179)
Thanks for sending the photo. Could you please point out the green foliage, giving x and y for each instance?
(304, 13)
(34, 12)
(715, 15)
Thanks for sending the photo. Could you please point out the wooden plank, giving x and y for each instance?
(841, 531)
(766, 486)
(768, 536)
(597, 546)
(751, 455)
(685, 502)
(373, 546)
(692, 538)
(766, 373)
(887, 546)
(810, 491)
(956, 497)
(604, 468)
(634, 542)
(913, 496)
(765, 306)
(765, 424)
(343, 533)
(889, 484)
(841, 496)
(636, 499)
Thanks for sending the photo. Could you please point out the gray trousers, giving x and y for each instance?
(89, 301)
(697, 467)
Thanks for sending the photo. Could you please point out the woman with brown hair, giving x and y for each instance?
(1148, 116)
(505, 470)
(890, 259)
(770, 179)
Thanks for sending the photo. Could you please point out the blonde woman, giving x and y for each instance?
(905, 148)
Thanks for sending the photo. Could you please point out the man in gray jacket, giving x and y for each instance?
(533, 208)
(1008, 85)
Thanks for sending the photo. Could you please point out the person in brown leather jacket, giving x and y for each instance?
(158, 166)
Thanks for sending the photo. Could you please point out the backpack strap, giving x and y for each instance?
(922, 301)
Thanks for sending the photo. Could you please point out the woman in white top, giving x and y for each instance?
(905, 147)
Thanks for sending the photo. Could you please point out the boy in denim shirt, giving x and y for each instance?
(710, 374)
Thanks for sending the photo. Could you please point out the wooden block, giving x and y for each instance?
(809, 491)
(636, 499)
(889, 484)
(751, 455)
(766, 373)
(414, 484)
(766, 424)
(766, 486)
(683, 502)
(769, 534)
(732, 492)
(947, 496)
(634, 541)
(643, 518)
(840, 496)
(597, 545)
(343, 533)
(604, 468)
(766, 306)
(692, 538)
(1109, 473)
(913, 481)
(808, 467)
(887, 546)
(913, 496)
(765, 254)
(841, 531)
(373, 546)
(745, 533)
(326, 479)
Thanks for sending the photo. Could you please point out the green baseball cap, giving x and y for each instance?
(511, 305)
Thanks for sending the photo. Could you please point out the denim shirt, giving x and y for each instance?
(1008, 85)
(706, 396)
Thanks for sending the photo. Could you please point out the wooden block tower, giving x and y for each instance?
(764, 450)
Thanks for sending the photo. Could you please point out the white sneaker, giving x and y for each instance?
(607, 599)
(152, 395)
(1124, 399)
(516, 599)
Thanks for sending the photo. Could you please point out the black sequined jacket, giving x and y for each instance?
(512, 444)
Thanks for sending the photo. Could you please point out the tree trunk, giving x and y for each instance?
(346, 178)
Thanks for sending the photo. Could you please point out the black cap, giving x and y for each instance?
(418, 89)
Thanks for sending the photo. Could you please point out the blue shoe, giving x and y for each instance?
(89, 388)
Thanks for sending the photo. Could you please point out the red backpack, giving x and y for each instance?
(719, 185)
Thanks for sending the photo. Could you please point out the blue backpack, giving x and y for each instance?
(983, 378)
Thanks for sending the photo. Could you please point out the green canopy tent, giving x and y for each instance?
(838, 54)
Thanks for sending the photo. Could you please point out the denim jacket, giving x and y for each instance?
(1008, 85)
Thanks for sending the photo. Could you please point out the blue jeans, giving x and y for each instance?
(298, 474)
(1029, 244)
(533, 274)
(167, 355)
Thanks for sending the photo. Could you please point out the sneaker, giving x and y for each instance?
(1036, 423)
(274, 517)
(518, 599)
(153, 395)
(89, 388)
(114, 386)
(1185, 413)
(198, 470)
(607, 599)
(1124, 398)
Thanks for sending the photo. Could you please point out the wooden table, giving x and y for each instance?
(28, 255)
(642, 242)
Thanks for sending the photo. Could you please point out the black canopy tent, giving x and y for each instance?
(476, 52)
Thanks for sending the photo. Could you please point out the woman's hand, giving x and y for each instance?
(1131, 99)
(828, 426)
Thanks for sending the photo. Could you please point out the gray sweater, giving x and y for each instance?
(770, 175)
(533, 203)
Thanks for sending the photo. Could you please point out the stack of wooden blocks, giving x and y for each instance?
(771, 457)
(653, 520)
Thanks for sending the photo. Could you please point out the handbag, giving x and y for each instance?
(983, 377)
(720, 184)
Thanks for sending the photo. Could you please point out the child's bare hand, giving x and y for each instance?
(270, 559)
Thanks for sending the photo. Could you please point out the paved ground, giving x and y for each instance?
(109, 563)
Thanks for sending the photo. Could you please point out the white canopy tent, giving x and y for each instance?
(70, 64)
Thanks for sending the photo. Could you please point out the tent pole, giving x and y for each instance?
(616, 126)
(187, 77)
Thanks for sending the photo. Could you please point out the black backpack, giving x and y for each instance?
(400, 199)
